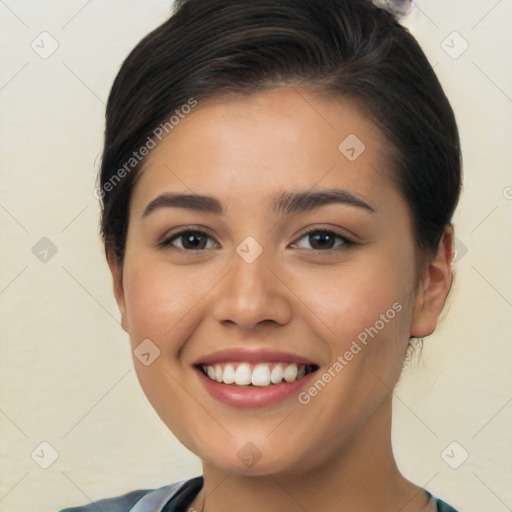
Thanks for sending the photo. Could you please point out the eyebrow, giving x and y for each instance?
(286, 203)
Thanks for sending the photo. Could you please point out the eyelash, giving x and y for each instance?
(347, 243)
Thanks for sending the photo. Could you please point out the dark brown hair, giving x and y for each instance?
(347, 48)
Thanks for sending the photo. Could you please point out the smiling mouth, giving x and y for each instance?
(257, 375)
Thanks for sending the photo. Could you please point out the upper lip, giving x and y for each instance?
(254, 356)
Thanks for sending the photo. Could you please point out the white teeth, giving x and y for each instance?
(243, 374)
(229, 374)
(261, 374)
(277, 374)
(218, 373)
(290, 372)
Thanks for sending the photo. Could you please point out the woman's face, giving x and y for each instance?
(249, 285)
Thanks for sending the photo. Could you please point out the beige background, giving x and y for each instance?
(66, 370)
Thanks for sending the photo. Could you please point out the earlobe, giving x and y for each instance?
(433, 288)
(116, 269)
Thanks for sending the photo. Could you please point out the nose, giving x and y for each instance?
(251, 296)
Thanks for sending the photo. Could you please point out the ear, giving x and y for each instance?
(116, 269)
(433, 288)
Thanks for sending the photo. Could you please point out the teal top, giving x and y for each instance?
(171, 498)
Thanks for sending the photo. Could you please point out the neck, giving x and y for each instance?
(361, 475)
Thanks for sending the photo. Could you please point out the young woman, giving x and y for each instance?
(278, 182)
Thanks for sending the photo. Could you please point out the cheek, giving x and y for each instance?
(362, 311)
(162, 306)
(158, 297)
(355, 297)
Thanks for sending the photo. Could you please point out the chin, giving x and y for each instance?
(247, 458)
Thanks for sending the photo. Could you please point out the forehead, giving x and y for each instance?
(244, 149)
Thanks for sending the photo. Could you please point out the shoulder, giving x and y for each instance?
(114, 504)
(444, 507)
(147, 499)
(441, 506)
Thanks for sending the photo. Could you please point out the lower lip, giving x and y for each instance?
(252, 396)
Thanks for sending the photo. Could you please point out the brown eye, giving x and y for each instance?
(323, 239)
(191, 240)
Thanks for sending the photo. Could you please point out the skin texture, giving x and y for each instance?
(334, 452)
